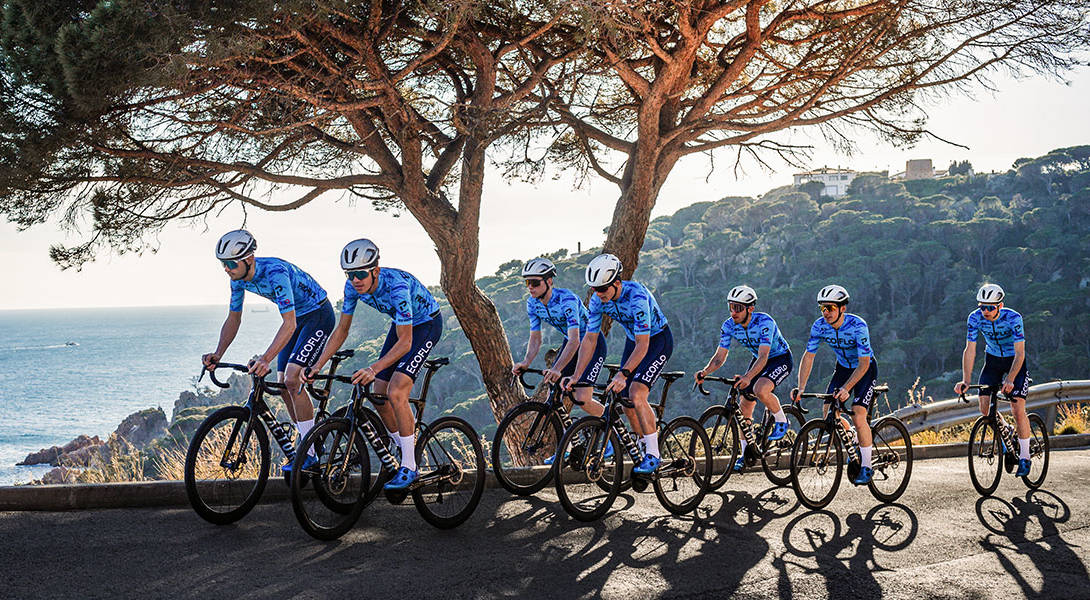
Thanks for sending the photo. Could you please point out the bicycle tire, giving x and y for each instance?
(544, 422)
(683, 459)
(722, 431)
(1039, 451)
(569, 475)
(201, 494)
(886, 457)
(989, 456)
(803, 456)
(777, 460)
(440, 448)
(334, 474)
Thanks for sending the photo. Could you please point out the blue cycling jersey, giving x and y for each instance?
(288, 286)
(635, 309)
(1000, 334)
(762, 331)
(849, 342)
(563, 312)
(399, 295)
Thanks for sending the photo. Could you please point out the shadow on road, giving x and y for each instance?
(1028, 527)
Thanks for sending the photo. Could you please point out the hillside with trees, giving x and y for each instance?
(911, 253)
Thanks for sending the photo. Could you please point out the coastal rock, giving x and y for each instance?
(235, 394)
(143, 427)
(51, 455)
(59, 475)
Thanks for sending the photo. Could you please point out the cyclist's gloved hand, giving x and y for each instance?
(210, 360)
(309, 372)
(518, 368)
(363, 376)
(959, 387)
(795, 393)
(741, 381)
(1008, 387)
(566, 384)
(552, 375)
(840, 394)
(698, 377)
(259, 366)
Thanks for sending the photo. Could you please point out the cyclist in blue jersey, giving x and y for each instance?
(771, 364)
(1004, 361)
(307, 320)
(416, 328)
(856, 365)
(648, 345)
(564, 311)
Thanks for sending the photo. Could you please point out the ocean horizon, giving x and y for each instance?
(71, 371)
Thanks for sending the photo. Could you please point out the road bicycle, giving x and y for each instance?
(818, 455)
(725, 426)
(449, 456)
(227, 462)
(993, 445)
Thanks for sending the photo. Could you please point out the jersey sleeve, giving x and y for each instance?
(535, 321)
(1018, 333)
(815, 336)
(238, 291)
(280, 286)
(862, 339)
(594, 315)
(766, 328)
(972, 325)
(348, 305)
(640, 305)
(402, 301)
(724, 334)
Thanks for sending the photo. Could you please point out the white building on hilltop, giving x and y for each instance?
(836, 180)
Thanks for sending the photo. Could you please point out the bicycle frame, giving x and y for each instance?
(734, 409)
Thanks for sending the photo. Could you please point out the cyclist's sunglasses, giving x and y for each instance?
(362, 274)
(827, 308)
(230, 264)
(988, 307)
(533, 283)
(737, 308)
(601, 289)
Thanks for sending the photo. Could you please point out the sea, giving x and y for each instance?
(68, 372)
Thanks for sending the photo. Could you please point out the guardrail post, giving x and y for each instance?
(1050, 418)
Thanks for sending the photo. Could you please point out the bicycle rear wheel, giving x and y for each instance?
(891, 459)
(583, 471)
(776, 460)
(817, 464)
(341, 478)
(528, 434)
(722, 432)
(682, 479)
(1038, 452)
(985, 456)
(227, 465)
(450, 462)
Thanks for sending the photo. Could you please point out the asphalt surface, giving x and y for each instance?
(749, 541)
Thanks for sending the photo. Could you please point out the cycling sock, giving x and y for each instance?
(304, 428)
(864, 455)
(1023, 448)
(780, 417)
(391, 434)
(744, 444)
(408, 453)
(651, 442)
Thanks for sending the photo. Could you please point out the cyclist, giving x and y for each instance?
(856, 365)
(562, 309)
(648, 345)
(771, 364)
(307, 320)
(1004, 361)
(416, 328)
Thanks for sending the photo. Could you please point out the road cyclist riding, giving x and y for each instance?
(992, 440)
(676, 462)
(735, 440)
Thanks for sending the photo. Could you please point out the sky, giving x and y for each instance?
(1022, 118)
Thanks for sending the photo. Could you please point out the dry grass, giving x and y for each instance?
(959, 433)
(124, 464)
(1072, 418)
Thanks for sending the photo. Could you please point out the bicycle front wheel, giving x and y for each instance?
(891, 459)
(1038, 452)
(528, 434)
(722, 432)
(682, 479)
(985, 456)
(227, 465)
(450, 462)
(341, 478)
(587, 483)
(776, 460)
(817, 464)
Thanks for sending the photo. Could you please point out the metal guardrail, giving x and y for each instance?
(940, 415)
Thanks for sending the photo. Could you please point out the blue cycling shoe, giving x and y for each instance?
(1023, 467)
(401, 480)
(864, 477)
(648, 465)
(739, 465)
(778, 431)
(308, 464)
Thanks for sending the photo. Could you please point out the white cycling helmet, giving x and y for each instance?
(235, 245)
(603, 270)
(833, 293)
(742, 294)
(990, 293)
(359, 254)
(539, 267)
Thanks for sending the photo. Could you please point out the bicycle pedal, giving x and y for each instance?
(1010, 462)
(640, 483)
(396, 496)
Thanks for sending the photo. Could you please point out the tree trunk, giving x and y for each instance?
(644, 175)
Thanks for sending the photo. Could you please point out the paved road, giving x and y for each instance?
(752, 541)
